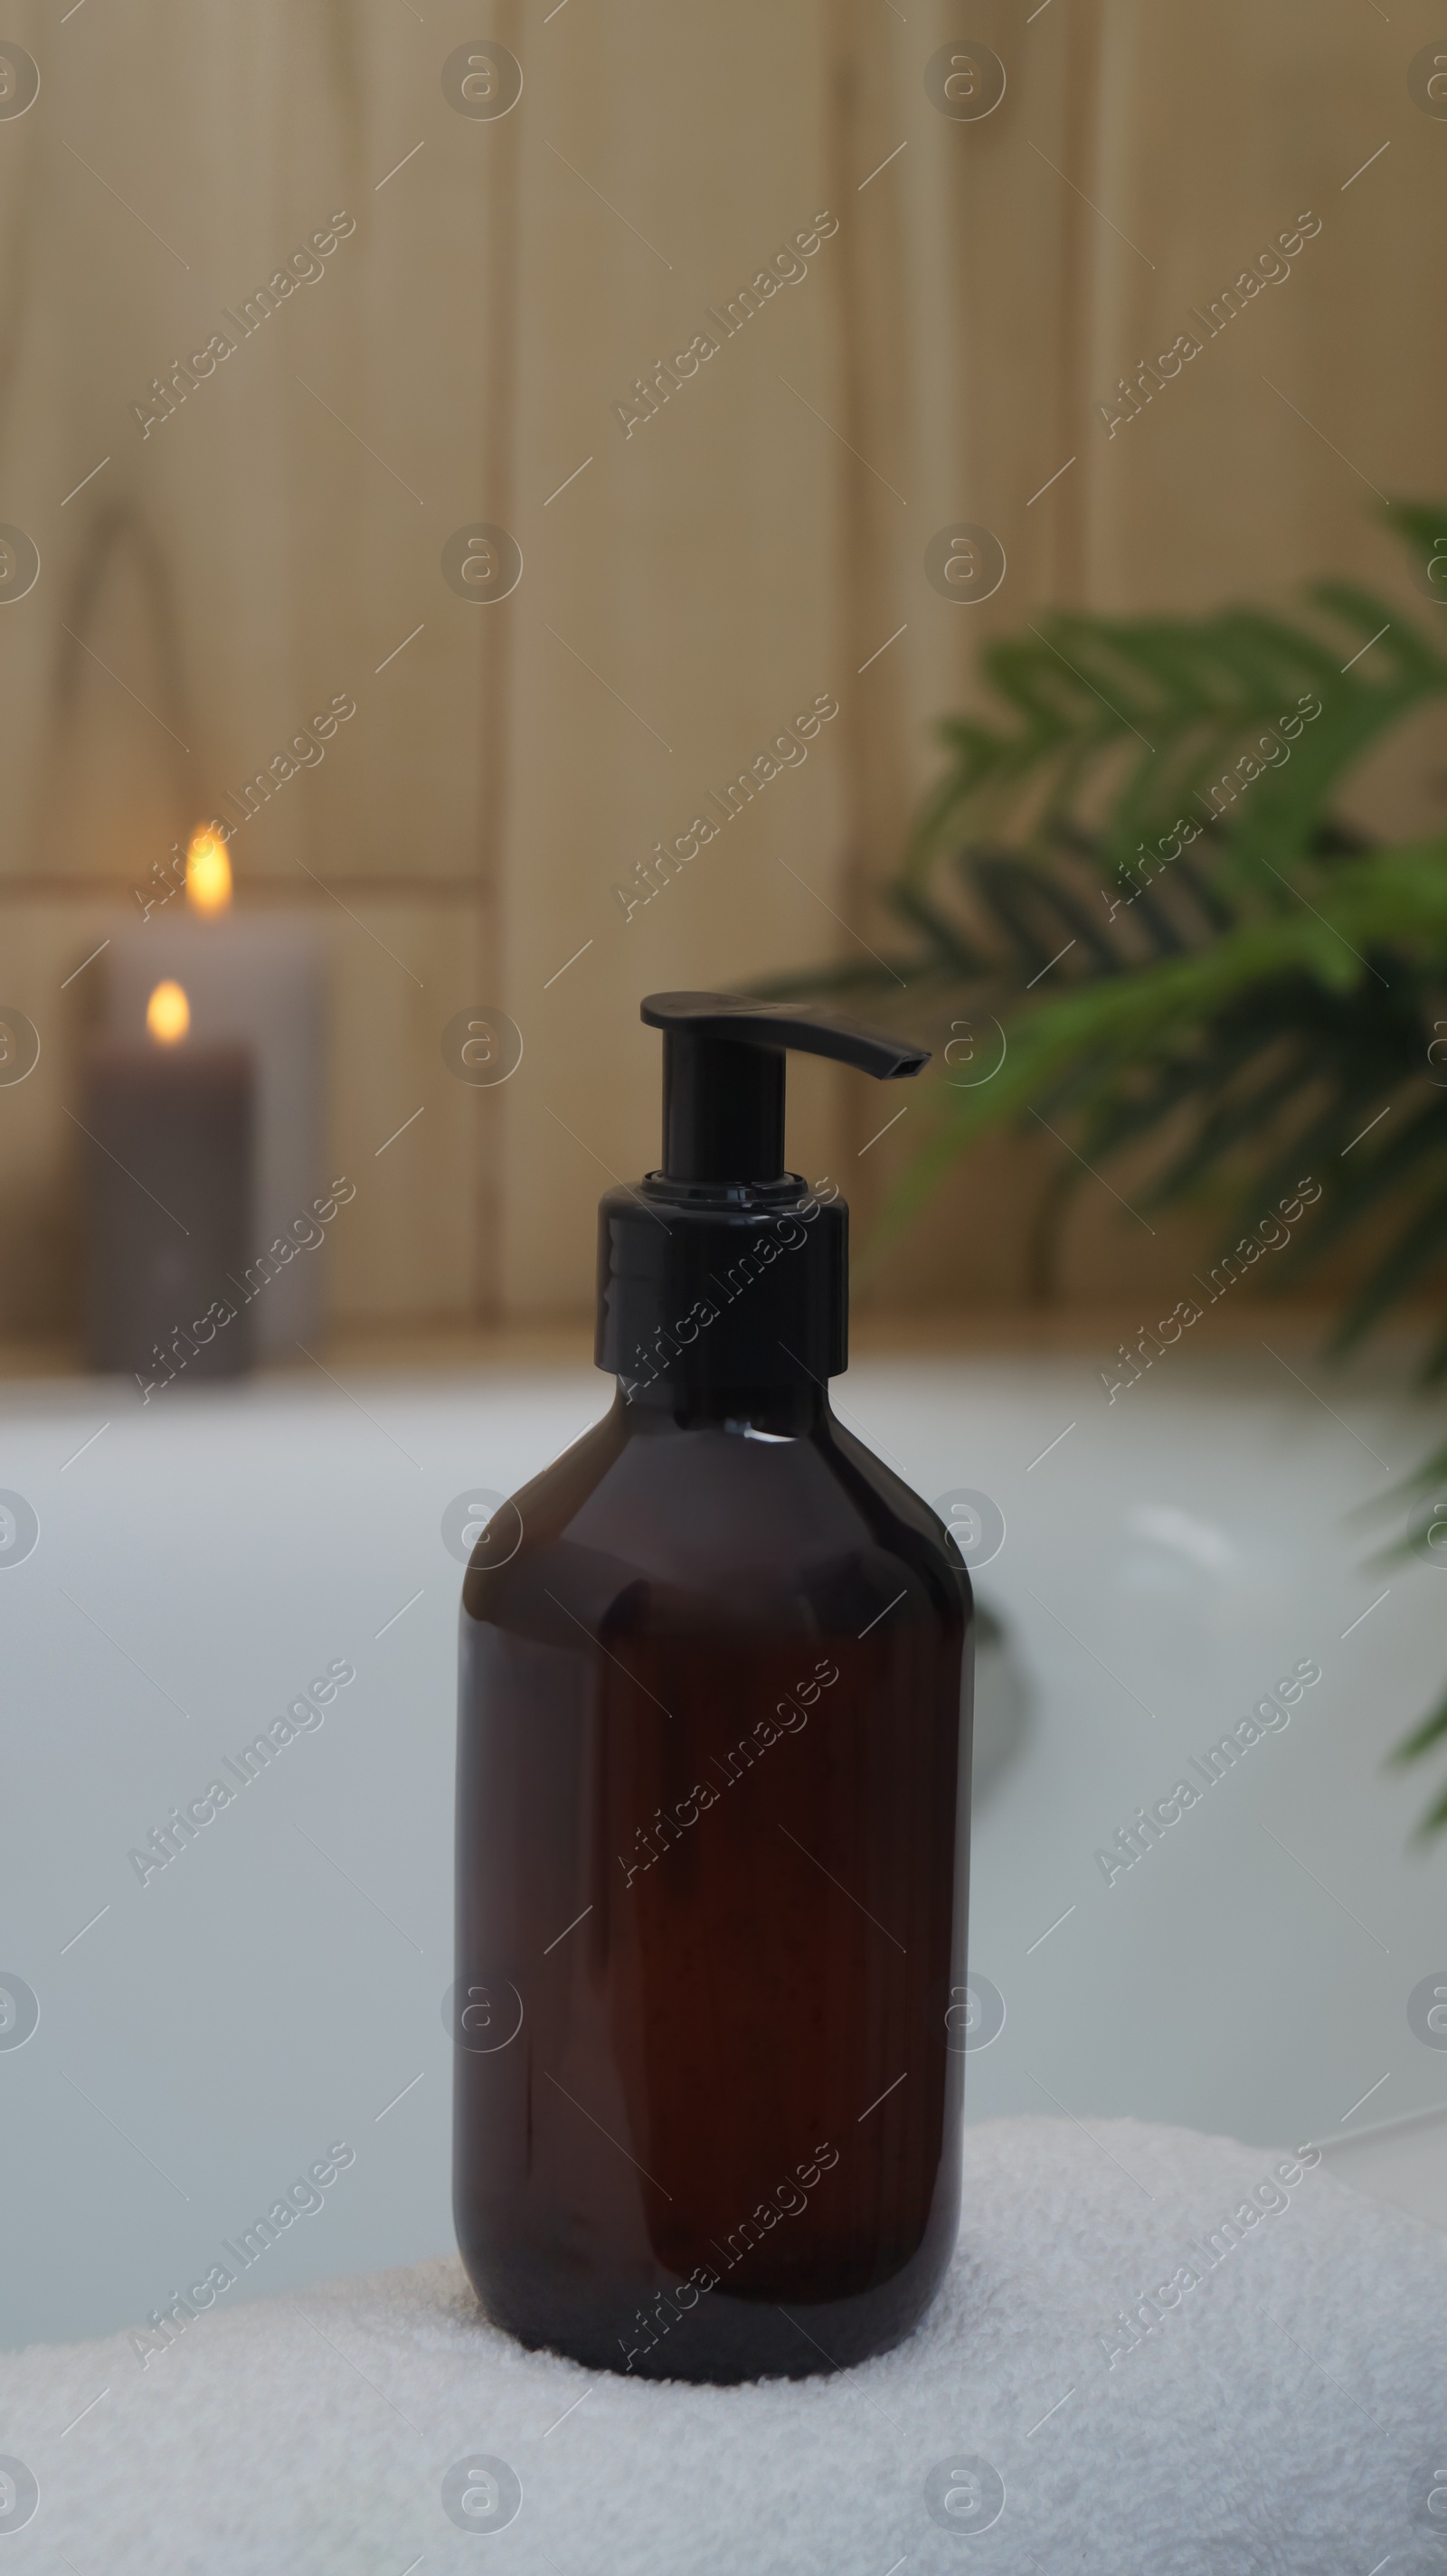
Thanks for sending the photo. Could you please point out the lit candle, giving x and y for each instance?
(168, 1124)
(257, 981)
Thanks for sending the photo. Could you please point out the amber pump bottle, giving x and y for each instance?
(712, 1795)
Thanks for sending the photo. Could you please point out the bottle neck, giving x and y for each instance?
(791, 1412)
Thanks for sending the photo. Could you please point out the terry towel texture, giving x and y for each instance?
(1278, 2404)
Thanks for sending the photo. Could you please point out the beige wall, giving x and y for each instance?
(750, 546)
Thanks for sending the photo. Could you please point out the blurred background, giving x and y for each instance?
(442, 600)
(701, 576)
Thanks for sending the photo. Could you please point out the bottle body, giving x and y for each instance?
(712, 1837)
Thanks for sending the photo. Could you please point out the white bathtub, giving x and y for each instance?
(205, 2038)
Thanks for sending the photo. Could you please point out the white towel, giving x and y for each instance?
(1282, 2409)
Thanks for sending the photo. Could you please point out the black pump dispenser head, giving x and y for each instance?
(724, 1271)
(723, 1078)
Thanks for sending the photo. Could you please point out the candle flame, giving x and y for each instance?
(168, 1013)
(208, 872)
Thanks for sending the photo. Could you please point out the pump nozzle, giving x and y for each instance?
(723, 1078)
(723, 1274)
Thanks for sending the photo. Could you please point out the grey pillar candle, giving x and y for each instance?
(168, 1198)
(258, 981)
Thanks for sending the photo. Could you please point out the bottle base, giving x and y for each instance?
(720, 2340)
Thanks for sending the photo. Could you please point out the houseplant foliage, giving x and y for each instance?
(1135, 901)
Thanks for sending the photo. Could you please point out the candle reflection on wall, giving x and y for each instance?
(168, 1195)
(256, 982)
